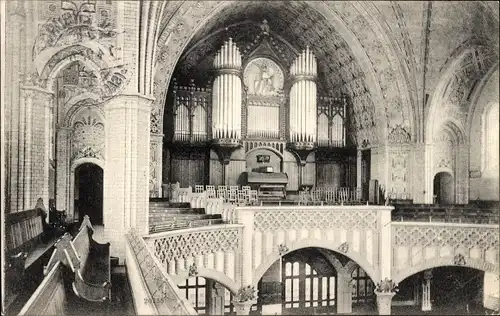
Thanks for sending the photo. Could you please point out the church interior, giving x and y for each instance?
(250, 157)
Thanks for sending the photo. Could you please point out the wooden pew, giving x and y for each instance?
(50, 296)
(29, 241)
(89, 262)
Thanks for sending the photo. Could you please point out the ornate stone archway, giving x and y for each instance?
(370, 270)
(457, 261)
(357, 25)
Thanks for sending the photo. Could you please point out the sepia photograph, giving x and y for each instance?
(242, 157)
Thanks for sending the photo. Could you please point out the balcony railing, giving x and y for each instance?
(156, 294)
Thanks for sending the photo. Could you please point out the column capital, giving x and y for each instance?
(243, 308)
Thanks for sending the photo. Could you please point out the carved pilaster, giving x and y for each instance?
(155, 165)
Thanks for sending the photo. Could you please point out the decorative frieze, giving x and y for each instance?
(421, 235)
(195, 243)
(312, 218)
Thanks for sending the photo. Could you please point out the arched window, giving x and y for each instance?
(489, 142)
(362, 287)
(194, 289)
(306, 288)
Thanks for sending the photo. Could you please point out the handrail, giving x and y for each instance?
(184, 231)
(162, 292)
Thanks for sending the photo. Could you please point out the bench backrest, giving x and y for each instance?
(81, 242)
(50, 296)
(22, 227)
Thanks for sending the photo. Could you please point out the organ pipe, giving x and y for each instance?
(303, 102)
(226, 109)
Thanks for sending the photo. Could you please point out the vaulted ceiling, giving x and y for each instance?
(293, 26)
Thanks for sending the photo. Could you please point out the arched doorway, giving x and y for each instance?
(444, 190)
(89, 192)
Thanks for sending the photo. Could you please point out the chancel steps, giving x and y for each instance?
(166, 216)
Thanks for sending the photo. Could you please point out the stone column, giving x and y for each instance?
(215, 298)
(126, 174)
(426, 291)
(384, 300)
(63, 152)
(385, 242)
(35, 103)
(15, 16)
(344, 297)
(462, 174)
(243, 308)
(245, 217)
(417, 174)
(429, 177)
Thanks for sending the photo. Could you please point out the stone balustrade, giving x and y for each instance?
(154, 291)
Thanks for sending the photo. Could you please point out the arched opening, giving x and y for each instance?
(448, 290)
(89, 192)
(268, 44)
(444, 190)
(207, 296)
(310, 281)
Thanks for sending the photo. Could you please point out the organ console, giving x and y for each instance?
(269, 185)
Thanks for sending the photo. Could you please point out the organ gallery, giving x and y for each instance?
(249, 157)
(258, 103)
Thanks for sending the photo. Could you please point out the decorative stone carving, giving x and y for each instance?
(75, 25)
(196, 243)
(344, 247)
(282, 249)
(245, 294)
(88, 137)
(153, 192)
(311, 219)
(459, 260)
(386, 286)
(440, 236)
(399, 135)
(193, 270)
(444, 163)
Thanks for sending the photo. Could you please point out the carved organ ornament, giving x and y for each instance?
(248, 101)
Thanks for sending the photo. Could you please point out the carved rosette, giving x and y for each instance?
(88, 137)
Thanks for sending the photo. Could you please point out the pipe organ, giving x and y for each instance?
(247, 104)
(331, 121)
(303, 98)
(226, 97)
(190, 105)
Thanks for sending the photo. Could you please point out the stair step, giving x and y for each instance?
(184, 224)
(166, 204)
(176, 211)
(173, 218)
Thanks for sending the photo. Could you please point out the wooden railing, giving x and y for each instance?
(154, 291)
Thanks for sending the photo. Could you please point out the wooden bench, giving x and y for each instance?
(89, 262)
(28, 238)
